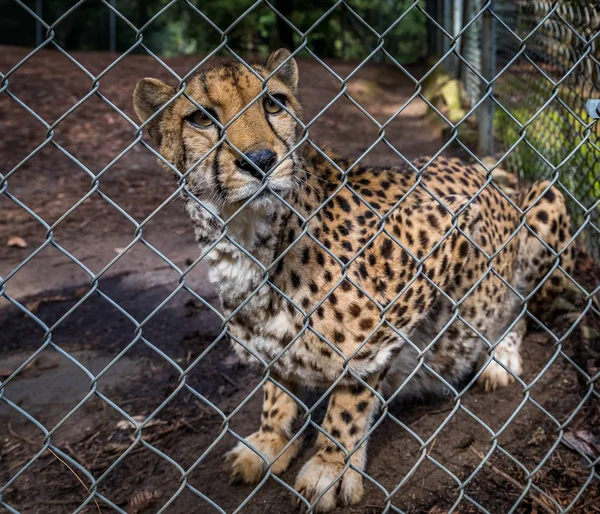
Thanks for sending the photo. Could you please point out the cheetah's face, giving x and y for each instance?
(235, 152)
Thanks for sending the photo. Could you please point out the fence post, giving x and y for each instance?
(462, 68)
(485, 144)
(457, 25)
(447, 24)
(112, 28)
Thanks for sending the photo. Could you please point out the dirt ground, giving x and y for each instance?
(188, 435)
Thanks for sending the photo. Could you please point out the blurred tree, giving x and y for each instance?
(181, 30)
(284, 31)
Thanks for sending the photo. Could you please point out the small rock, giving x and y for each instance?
(453, 94)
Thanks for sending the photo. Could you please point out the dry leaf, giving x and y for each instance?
(584, 442)
(125, 424)
(8, 373)
(436, 510)
(589, 332)
(34, 305)
(17, 241)
(142, 500)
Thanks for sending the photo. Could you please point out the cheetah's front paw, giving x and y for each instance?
(494, 375)
(248, 467)
(316, 475)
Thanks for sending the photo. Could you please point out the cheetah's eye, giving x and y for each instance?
(273, 107)
(199, 119)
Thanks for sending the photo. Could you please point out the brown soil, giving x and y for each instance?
(186, 442)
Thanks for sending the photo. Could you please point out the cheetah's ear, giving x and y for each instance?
(288, 72)
(149, 96)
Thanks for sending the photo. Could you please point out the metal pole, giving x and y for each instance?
(447, 24)
(485, 145)
(457, 27)
(39, 36)
(464, 40)
(112, 27)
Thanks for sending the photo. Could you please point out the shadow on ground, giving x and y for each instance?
(96, 435)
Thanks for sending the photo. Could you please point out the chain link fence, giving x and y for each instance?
(547, 63)
(528, 69)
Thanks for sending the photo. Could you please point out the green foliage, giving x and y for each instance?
(181, 30)
(554, 132)
(558, 136)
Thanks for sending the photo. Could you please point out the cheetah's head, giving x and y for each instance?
(236, 137)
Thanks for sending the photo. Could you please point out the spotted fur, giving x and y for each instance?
(337, 270)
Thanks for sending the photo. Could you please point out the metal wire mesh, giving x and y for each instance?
(547, 68)
(548, 62)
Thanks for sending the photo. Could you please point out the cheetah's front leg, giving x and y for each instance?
(279, 412)
(347, 421)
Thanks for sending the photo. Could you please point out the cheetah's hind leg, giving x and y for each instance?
(541, 246)
(545, 244)
(507, 362)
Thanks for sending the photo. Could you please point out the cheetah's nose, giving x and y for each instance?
(264, 159)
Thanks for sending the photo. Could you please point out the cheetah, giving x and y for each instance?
(369, 282)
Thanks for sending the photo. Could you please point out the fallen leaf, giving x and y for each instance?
(589, 332)
(17, 241)
(125, 424)
(539, 436)
(142, 500)
(584, 442)
(34, 305)
(8, 373)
